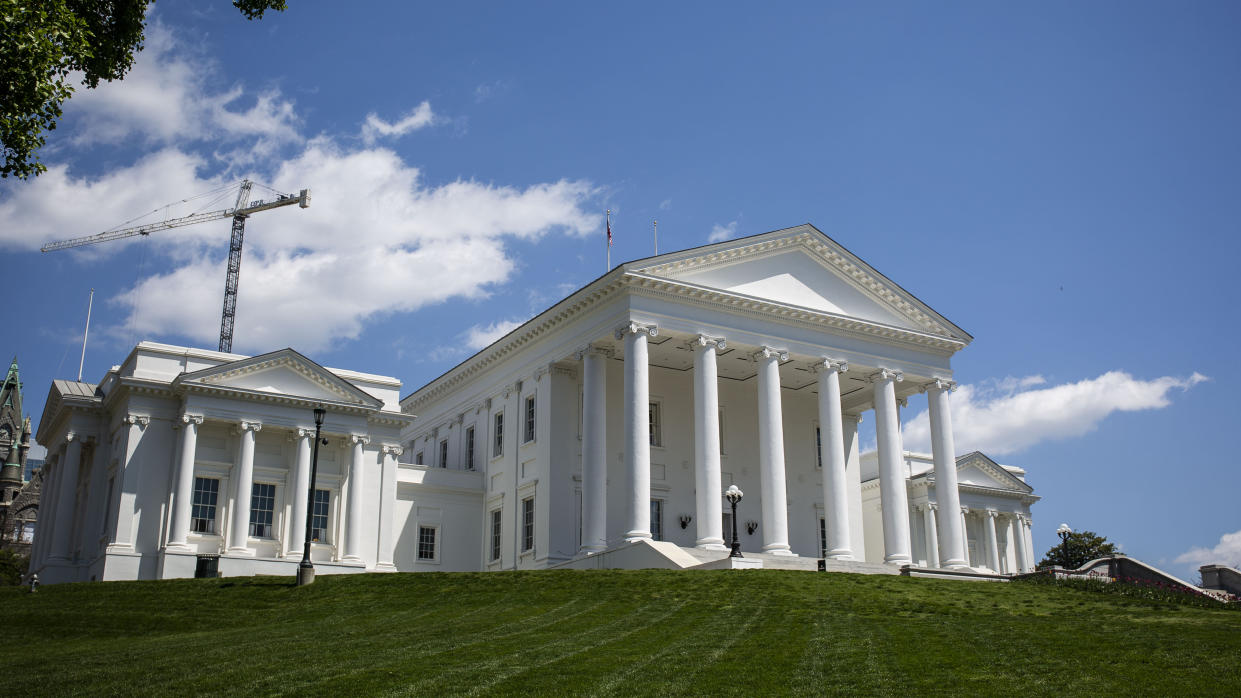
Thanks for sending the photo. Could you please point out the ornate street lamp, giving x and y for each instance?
(306, 570)
(734, 495)
(1064, 532)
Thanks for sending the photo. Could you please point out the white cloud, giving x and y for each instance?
(1008, 415)
(166, 98)
(665, 204)
(375, 127)
(1226, 552)
(722, 232)
(480, 336)
(376, 239)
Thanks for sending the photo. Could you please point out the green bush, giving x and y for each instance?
(12, 567)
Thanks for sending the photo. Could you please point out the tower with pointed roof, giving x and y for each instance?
(18, 501)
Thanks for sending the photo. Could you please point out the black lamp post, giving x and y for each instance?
(1064, 532)
(734, 495)
(306, 570)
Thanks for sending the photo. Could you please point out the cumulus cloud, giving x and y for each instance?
(480, 336)
(376, 240)
(1226, 552)
(1008, 415)
(167, 98)
(374, 128)
(722, 232)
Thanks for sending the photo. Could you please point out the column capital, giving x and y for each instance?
(70, 436)
(392, 450)
(886, 374)
(932, 506)
(633, 327)
(826, 364)
(902, 400)
(245, 425)
(992, 513)
(938, 384)
(965, 510)
(706, 340)
(594, 350)
(768, 352)
(303, 433)
(195, 419)
(359, 439)
(141, 420)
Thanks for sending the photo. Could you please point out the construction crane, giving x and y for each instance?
(241, 210)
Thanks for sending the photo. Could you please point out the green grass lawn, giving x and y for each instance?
(609, 633)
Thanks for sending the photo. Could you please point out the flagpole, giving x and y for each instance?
(609, 241)
(656, 225)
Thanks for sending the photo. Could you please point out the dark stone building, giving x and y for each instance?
(19, 492)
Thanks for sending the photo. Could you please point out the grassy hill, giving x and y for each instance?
(609, 633)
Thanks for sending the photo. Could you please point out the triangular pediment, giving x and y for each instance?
(284, 373)
(978, 470)
(803, 268)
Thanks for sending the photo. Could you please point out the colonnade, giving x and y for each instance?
(773, 490)
(242, 485)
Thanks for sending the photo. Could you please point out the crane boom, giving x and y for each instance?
(239, 212)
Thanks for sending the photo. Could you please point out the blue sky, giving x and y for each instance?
(1060, 179)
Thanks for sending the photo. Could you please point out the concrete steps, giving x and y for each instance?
(786, 562)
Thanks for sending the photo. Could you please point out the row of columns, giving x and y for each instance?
(773, 489)
(243, 480)
(1015, 528)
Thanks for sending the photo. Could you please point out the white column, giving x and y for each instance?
(1028, 540)
(353, 515)
(932, 535)
(993, 546)
(944, 454)
(832, 455)
(43, 531)
(707, 487)
(67, 486)
(301, 490)
(892, 494)
(594, 449)
(240, 529)
(774, 490)
(1018, 541)
(129, 478)
(183, 495)
(387, 505)
(853, 484)
(1015, 549)
(637, 428)
(965, 532)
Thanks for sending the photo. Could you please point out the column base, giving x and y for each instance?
(590, 550)
(840, 555)
(241, 552)
(954, 565)
(179, 548)
(352, 560)
(635, 536)
(897, 561)
(386, 567)
(711, 544)
(779, 549)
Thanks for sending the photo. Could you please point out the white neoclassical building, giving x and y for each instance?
(610, 423)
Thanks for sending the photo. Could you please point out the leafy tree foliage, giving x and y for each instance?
(45, 44)
(12, 567)
(1083, 546)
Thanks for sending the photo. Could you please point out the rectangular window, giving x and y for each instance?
(202, 514)
(653, 415)
(818, 448)
(497, 527)
(426, 542)
(823, 537)
(262, 504)
(527, 524)
(469, 448)
(418, 458)
(444, 453)
(497, 448)
(529, 435)
(657, 519)
(318, 516)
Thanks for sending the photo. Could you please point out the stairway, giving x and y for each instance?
(808, 564)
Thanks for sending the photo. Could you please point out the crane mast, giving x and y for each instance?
(240, 211)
